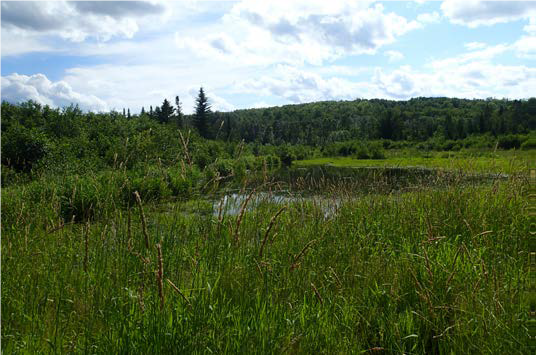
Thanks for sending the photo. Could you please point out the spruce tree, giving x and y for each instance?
(178, 112)
(166, 111)
(202, 113)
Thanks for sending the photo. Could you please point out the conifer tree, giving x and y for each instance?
(178, 112)
(165, 112)
(202, 113)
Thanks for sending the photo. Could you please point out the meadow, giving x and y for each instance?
(152, 263)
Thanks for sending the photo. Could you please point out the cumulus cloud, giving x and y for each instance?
(473, 13)
(17, 88)
(531, 27)
(355, 27)
(394, 56)
(474, 45)
(303, 31)
(432, 17)
(473, 80)
(76, 21)
(298, 86)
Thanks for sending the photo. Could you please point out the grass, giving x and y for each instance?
(431, 271)
(492, 162)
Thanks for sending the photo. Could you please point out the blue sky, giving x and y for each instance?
(109, 55)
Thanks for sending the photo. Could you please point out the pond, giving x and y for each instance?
(327, 186)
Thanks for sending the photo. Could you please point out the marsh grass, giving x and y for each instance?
(423, 271)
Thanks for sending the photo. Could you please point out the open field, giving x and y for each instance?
(440, 269)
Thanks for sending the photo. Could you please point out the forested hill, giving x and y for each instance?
(416, 120)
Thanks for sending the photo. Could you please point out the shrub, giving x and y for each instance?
(529, 144)
(10, 176)
(23, 148)
(510, 141)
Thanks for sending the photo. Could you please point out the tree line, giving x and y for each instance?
(326, 122)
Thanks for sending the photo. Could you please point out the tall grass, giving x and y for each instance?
(427, 271)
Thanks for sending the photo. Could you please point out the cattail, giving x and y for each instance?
(272, 221)
(140, 297)
(295, 263)
(142, 216)
(160, 275)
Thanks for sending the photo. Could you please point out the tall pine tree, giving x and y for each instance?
(202, 113)
(166, 112)
(178, 112)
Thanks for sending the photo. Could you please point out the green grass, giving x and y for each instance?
(492, 162)
(431, 271)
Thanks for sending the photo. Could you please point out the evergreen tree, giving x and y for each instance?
(202, 113)
(166, 112)
(178, 110)
(142, 111)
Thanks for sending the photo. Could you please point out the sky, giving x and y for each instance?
(110, 55)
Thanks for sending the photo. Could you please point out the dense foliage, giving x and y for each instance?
(38, 139)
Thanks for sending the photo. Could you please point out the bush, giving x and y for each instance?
(181, 184)
(529, 144)
(10, 176)
(80, 198)
(23, 148)
(510, 141)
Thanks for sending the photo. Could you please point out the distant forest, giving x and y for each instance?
(61, 139)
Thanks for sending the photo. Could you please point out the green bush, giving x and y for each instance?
(81, 198)
(510, 141)
(23, 148)
(529, 144)
(10, 176)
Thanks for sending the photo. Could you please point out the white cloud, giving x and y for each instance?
(300, 32)
(531, 27)
(432, 17)
(473, 80)
(137, 85)
(394, 56)
(298, 86)
(17, 88)
(74, 21)
(525, 47)
(12, 46)
(473, 13)
(474, 45)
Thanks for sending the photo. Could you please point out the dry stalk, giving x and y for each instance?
(428, 268)
(295, 263)
(453, 266)
(220, 213)
(241, 216)
(185, 147)
(129, 230)
(272, 221)
(142, 216)
(160, 275)
(86, 247)
(423, 295)
(179, 292)
(317, 294)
